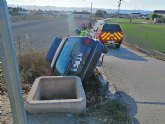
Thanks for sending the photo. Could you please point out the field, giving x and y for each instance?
(125, 20)
(148, 36)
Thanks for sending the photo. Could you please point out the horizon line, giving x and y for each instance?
(75, 7)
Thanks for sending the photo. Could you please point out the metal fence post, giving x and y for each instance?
(10, 67)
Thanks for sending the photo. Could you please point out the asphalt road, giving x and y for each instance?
(141, 79)
(39, 34)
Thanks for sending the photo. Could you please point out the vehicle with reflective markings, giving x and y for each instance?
(109, 34)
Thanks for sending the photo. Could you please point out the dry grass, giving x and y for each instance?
(0, 73)
(33, 65)
(31, 17)
(1, 80)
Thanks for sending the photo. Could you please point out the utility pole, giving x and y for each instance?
(119, 4)
(91, 8)
(91, 14)
(10, 67)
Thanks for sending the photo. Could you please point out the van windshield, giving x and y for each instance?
(111, 27)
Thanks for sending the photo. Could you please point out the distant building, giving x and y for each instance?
(135, 15)
(82, 15)
(123, 15)
(161, 12)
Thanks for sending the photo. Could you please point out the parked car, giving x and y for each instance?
(74, 56)
(109, 34)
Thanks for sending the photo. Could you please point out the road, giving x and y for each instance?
(141, 80)
(39, 34)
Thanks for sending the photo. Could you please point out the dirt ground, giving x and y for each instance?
(6, 115)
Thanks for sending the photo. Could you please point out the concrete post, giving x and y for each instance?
(10, 67)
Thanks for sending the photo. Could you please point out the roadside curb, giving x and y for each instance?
(152, 53)
(106, 88)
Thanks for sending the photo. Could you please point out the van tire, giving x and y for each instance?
(118, 45)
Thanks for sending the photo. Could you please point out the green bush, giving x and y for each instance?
(161, 19)
(148, 18)
(154, 15)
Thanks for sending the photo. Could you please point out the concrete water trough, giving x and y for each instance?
(56, 94)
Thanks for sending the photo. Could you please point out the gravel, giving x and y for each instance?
(6, 115)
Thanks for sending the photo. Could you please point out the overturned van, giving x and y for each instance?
(74, 56)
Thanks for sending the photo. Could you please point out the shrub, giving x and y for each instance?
(118, 110)
(154, 15)
(33, 65)
(148, 18)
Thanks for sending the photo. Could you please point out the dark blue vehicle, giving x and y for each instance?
(76, 56)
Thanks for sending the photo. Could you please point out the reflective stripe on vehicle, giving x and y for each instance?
(109, 36)
(117, 36)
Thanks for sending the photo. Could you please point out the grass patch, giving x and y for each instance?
(147, 36)
(101, 108)
(33, 65)
(126, 20)
(118, 110)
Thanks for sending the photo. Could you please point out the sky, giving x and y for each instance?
(107, 4)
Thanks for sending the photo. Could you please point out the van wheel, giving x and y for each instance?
(118, 45)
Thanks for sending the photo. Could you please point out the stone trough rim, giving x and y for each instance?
(81, 98)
